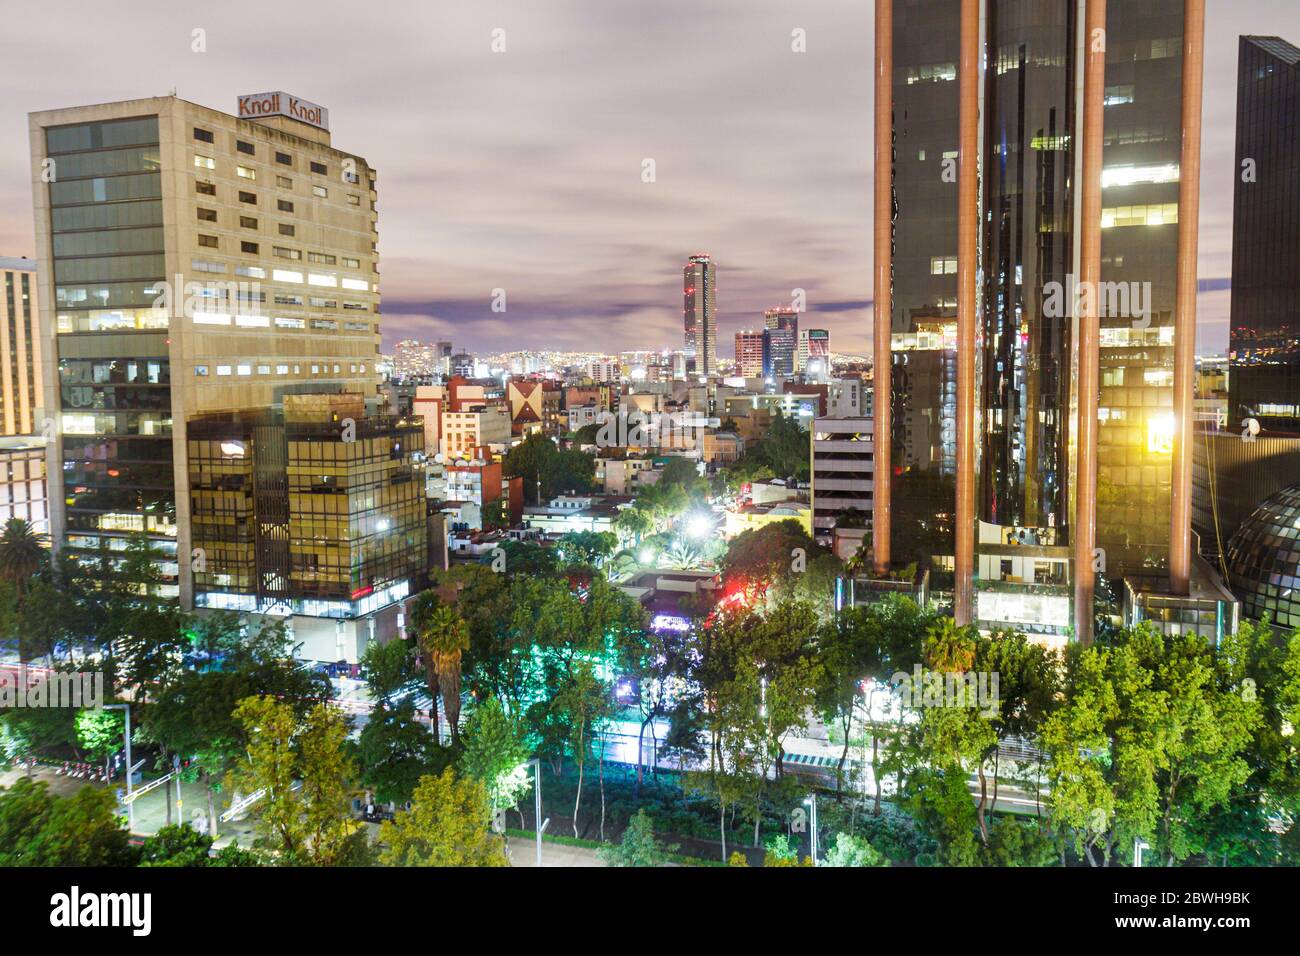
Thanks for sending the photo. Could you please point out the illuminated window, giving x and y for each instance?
(205, 162)
(245, 172)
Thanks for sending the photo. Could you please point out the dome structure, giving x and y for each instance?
(1264, 560)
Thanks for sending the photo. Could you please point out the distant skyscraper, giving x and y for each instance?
(699, 315)
(20, 369)
(749, 354)
(781, 318)
(815, 345)
(1264, 381)
(778, 351)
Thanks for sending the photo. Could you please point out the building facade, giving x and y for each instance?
(1264, 382)
(983, 234)
(193, 262)
(314, 512)
(699, 316)
(21, 391)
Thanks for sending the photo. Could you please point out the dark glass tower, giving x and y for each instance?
(1264, 380)
(1028, 261)
(1027, 244)
(923, 380)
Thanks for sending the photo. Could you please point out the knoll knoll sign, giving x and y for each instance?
(258, 105)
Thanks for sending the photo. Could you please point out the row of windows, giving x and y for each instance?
(284, 159)
(202, 371)
(247, 172)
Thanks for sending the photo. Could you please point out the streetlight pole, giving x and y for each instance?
(126, 733)
(538, 824)
(1138, 846)
(812, 801)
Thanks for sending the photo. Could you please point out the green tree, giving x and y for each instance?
(443, 637)
(639, 847)
(304, 774)
(850, 850)
(39, 829)
(100, 732)
(447, 825)
(494, 755)
(22, 553)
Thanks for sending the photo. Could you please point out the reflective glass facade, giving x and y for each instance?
(114, 371)
(1264, 560)
(292, 514)
(1264, 382)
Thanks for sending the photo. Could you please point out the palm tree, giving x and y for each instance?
(443, 636)
(22, 553)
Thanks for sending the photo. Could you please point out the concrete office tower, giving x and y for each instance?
(1264, 382)
(190, 261)
(20, 366)
(749, 354)
(699, 316)
(1009, 174)
(814, 346)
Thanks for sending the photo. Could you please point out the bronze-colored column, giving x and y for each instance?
(1085, 516)
(882, 308)
(968, 215)
(1189, 217)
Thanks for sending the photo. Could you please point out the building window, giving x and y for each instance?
(247, 222)
(245, 172)
(352, 263)
(1118, 95)
(284, 159)
(284, 182)
(250, 198)
(943, 265)
(200, 370)
(354, 200)
(284, 205)
(286, 229)
(321, 257)
(244, 147)
(319, 168)
(223, 369)
(205, 162)
(208, 242)
(206, 215)
(203, 135)
(320, 191)
(205, 189)
(248, 247)
(285, 252)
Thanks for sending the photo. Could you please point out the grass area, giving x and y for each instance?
(596, 845)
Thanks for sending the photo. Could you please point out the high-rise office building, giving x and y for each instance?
(699, 315)
(1264, 381)
(20, 368)
(814, 347)
(779, 348)
(781, 318)
(749, 354)
(190, 262)
(1027, 151)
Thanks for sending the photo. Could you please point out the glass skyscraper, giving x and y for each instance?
(1264, 381)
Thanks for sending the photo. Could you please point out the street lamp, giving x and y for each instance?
(1138, 846)
(812, 801)
(126, 733)
(538, 822)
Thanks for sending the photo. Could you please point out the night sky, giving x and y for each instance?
(522, 170)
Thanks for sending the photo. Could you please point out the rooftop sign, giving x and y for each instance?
(258, 105)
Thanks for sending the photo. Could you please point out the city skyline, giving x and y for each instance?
(545, 193)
